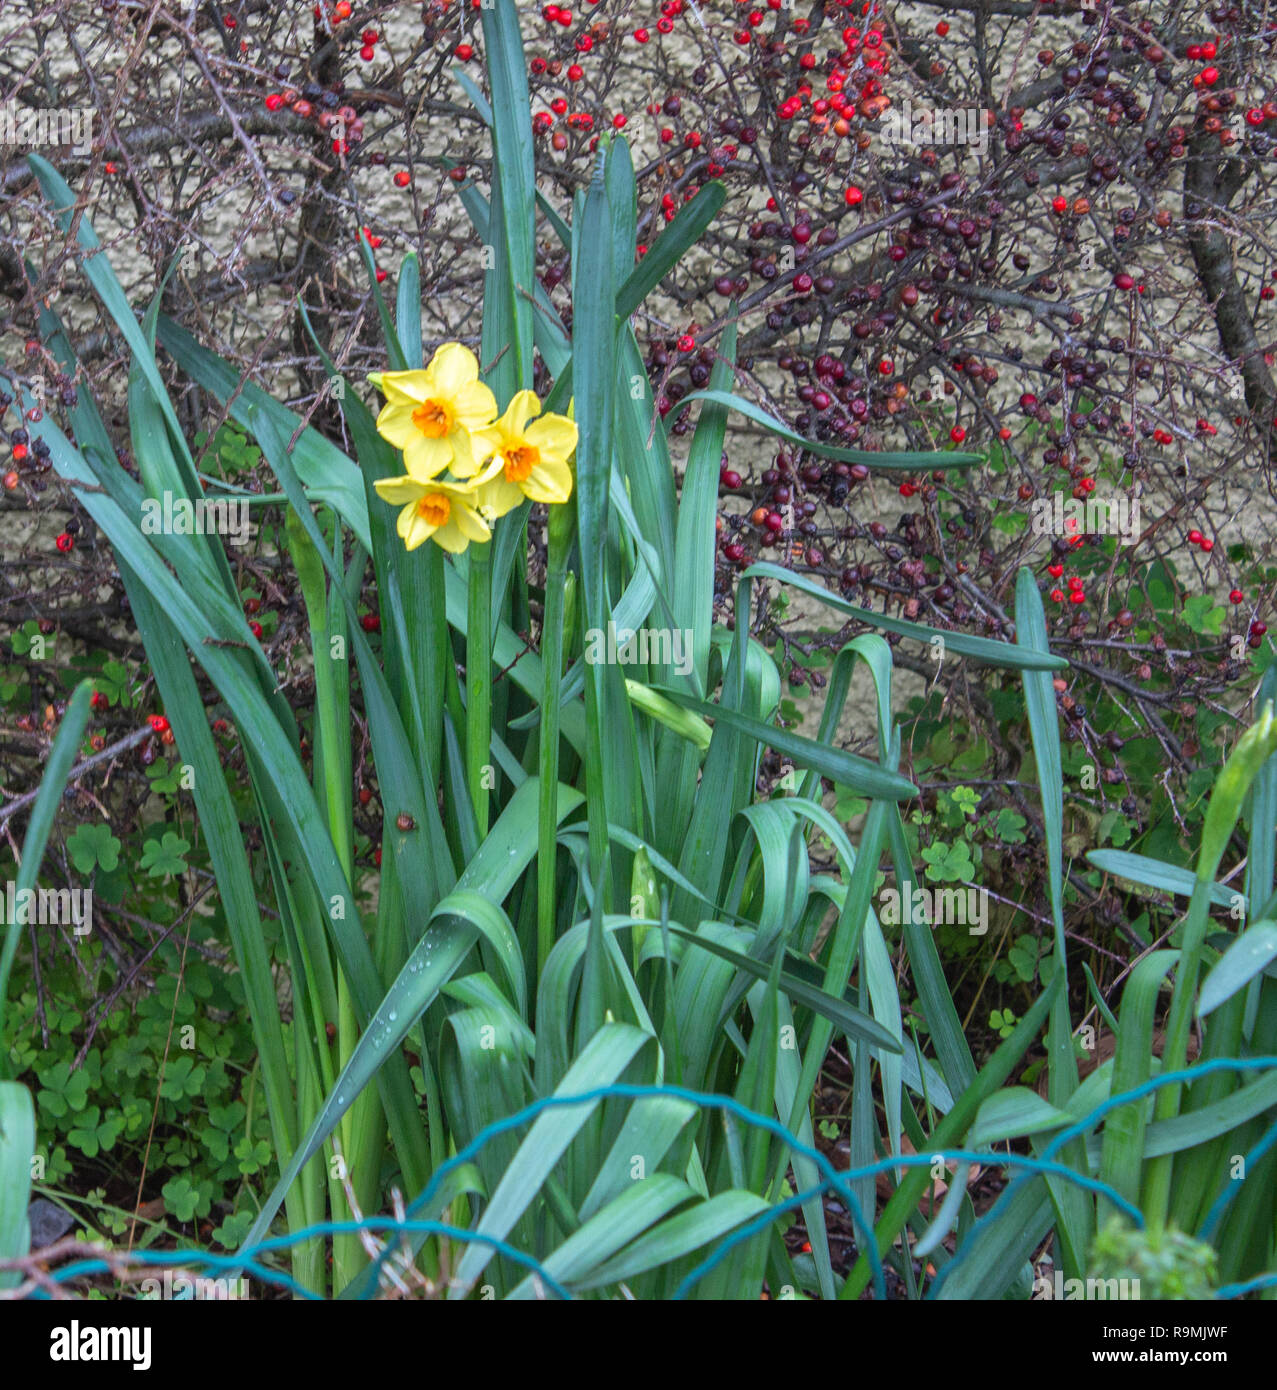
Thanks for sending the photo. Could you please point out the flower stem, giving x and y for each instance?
(560, 537)
(479, 680)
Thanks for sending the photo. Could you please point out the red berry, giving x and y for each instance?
(1060, 205)
(886, 366)
(687, 343)
(274, 101)
(1236, 596)
(403, 178)
(1194, 537)
(1077, 596)
(367, 53)
(1124, 281)
(641, 36)
(65, 543)
(576, 72)
(942, 28)
(1057, 595)
(1210, 76)
(158, 723)
(957, 434)
(853, 196)
(464, 52)
(255, 629)
(370, 622)
(1055, 570)
(1208, 545)
(618, 121)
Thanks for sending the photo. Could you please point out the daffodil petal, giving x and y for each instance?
(554, 435)
(499, 496)
(426, 458)
(403, 388)
(549, 481)
(413, 528)
(470, 523)
(451, 538)
(475, 405)
(451, 369)
(522, 408)
(464, 463)
(399, 490)
(395, 425)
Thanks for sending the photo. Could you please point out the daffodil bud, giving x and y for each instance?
(683, 722)
(569, 613)
(644, 899)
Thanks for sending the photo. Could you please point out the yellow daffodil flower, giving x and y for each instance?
(431, 413)
(445, 513)
(528, 460)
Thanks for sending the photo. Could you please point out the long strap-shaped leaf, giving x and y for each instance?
(604, 1058)
(897, 462)
(1076, 1212)
(982, 649)
(514, 170)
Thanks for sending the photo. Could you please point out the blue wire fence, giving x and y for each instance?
(832, 1180)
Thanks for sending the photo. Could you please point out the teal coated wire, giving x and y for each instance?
(1154, 1083)
(1222, 1202)
(833, 1179)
